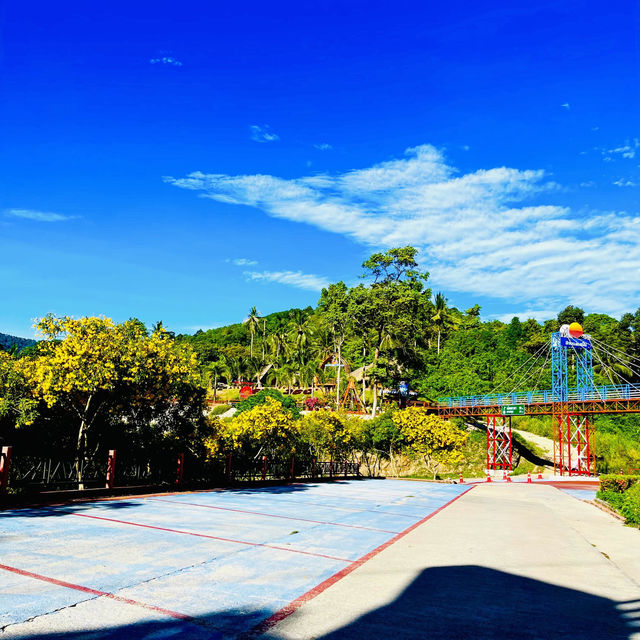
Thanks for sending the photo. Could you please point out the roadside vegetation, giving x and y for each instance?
(90, 384)
(622, 492)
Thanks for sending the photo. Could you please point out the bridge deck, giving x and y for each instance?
(605, 399)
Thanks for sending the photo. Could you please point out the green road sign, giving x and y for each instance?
(512, 409)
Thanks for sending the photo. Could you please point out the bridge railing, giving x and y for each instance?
(602, 393)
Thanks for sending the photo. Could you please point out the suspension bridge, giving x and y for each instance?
(572, 401)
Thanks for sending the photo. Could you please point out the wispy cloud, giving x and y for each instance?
(263, 133)
(308, 281)
(627, 150)
(243, 262)
(38, 216)
(566, 106)
(536, 314)
(621, 182)
(323, 146)
(477, 232)
(170, 60)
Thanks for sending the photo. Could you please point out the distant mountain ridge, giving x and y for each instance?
(7, 341)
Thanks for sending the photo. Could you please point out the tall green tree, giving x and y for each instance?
(390, 307)
(334, 306)
(253, 323)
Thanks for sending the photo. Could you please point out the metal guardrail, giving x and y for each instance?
(597, 394)
(33, 472)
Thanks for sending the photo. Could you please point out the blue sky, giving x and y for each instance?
(184, 162)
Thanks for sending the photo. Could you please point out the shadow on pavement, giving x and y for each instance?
(442, 603)
(460, 602)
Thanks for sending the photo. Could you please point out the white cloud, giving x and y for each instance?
(170, 60)
(263, 133)
(537, 314)
(477, 232)
(323, 146)
(566, 106)
(627, 150)
(621, 182)
(308, 281)
(38, 216)
(243, 262)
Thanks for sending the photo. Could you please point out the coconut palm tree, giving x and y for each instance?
(440, 315)
(218, 368)
(253, 322)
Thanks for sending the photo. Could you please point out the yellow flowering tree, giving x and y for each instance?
(438, 442)
(266, 429)
(17, 406)
(328, 433)
(92, 365)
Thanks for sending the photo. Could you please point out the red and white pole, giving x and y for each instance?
(111, 469)
(5, 462)
(180, 470)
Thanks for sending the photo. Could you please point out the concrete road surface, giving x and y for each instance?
(503, 561)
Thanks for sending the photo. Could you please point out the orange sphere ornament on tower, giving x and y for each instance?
(575, 330)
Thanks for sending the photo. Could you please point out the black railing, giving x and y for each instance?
(27, 472)
(30, 474)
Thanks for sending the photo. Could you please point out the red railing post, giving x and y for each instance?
(228, 468)
(292, 473)
(5, 462)
(111, 469)
(264, 467)
(180, 470)
(313, 469)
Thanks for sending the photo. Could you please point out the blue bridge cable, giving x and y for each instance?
(605, 368)
(518, 369)
(609, 346)
(525, 376)
(626, 365)
(590, 376)
(544, 364)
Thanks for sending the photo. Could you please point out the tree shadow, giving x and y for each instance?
(442, 603)
(480, 603)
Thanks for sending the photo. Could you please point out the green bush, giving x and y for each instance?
(631, 506)
(613, 498)
(617, 483)
(259, 398)
(627, 502)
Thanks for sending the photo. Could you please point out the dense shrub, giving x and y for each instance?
(617, 483)
(287, 402)
(631, 507)
(623, 494)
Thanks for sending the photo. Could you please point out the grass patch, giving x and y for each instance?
(219, 409)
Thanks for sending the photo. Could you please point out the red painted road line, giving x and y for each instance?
(285, 612)
(95, 592)
(204, 535)
(272, 515)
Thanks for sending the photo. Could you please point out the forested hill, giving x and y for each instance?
(396, 326)
(7, 342)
